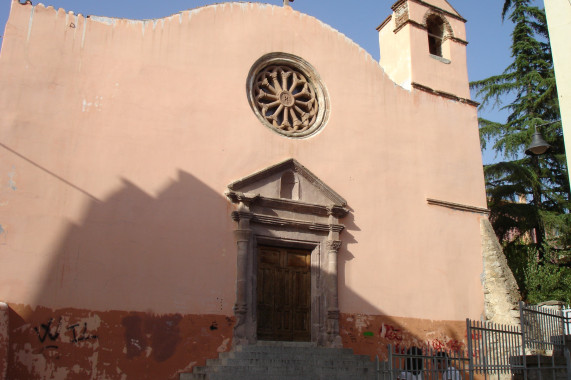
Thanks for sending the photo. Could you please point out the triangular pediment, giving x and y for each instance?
(437, 5)
(269, 183)
(443, 5)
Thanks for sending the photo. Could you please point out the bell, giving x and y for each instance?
(538, 145)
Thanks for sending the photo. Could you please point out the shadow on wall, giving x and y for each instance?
(369, 334)
(143, 288)
(137, 252)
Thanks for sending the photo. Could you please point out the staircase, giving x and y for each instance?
(285, 360)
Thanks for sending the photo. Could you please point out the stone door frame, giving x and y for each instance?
(308, 226)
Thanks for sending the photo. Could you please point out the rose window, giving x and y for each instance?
(283, 96)
(285, 99)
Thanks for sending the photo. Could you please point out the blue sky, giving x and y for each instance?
(488, 36)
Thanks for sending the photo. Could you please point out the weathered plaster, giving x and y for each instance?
(80, 344)
(371, 334)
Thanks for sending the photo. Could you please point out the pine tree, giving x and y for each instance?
(527, 196)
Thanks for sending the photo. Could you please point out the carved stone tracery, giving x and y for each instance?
(285, 98)
(286, 94)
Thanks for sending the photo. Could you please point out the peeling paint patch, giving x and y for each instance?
(361, 321)
(11, 182)
(83, 344)
(224, 346)
(104, 20)
(3, 235)
(97, 103)
(30, 24)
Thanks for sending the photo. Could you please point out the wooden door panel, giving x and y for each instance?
(284, 295)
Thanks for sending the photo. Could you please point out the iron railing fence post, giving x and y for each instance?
(470, 352)
(390, 363)
(523, 339)
(568, 363)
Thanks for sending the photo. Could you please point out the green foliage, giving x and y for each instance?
(539, 280)
(527, 195)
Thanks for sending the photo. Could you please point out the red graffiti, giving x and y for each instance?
(455, 345)
(437, 345)
(391, 333)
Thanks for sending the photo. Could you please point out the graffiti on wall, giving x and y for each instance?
(50, 333)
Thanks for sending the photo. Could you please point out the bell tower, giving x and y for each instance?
(423, 45)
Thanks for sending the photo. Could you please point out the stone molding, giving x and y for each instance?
(287, 204)
(448, 32)
(444, 94)
(287, 95)
(295, 223)
(289, 164)
(307, 225)
(430, 6)
(385, 22)
(458, 206)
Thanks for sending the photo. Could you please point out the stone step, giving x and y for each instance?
(285, 360)
(277, 343)
(289, 362)
(305, 350)
(272, 372)
(221, 376)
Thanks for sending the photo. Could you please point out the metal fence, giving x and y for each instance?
(543, 329)
(536, 350)
(567, 314)
(417, 363)
(494, 349)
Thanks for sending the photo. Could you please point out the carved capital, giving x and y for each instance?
(333, 245)
(241, 215)
(333, 314)
(337, 211)
(244, 199)
(242, 235)
(240, 309)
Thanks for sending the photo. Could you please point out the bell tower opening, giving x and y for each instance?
(435, 28)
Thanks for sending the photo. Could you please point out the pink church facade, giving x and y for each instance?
(167, 183)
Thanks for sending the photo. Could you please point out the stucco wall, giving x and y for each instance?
(118, 139)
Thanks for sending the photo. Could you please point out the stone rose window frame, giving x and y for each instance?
(287, 95)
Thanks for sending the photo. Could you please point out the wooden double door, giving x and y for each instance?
(284, 294)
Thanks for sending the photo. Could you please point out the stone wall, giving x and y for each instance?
(501, 293)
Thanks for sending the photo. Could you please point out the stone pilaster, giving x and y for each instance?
(333, 337)
(243, 235)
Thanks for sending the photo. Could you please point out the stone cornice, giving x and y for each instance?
(457, 206)
(430, 6)
(412, 23)
(288, 204)
(284, 222)
(385, 22)
(444, 94)
(290, 164)
(420, 26)
(456, 39)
